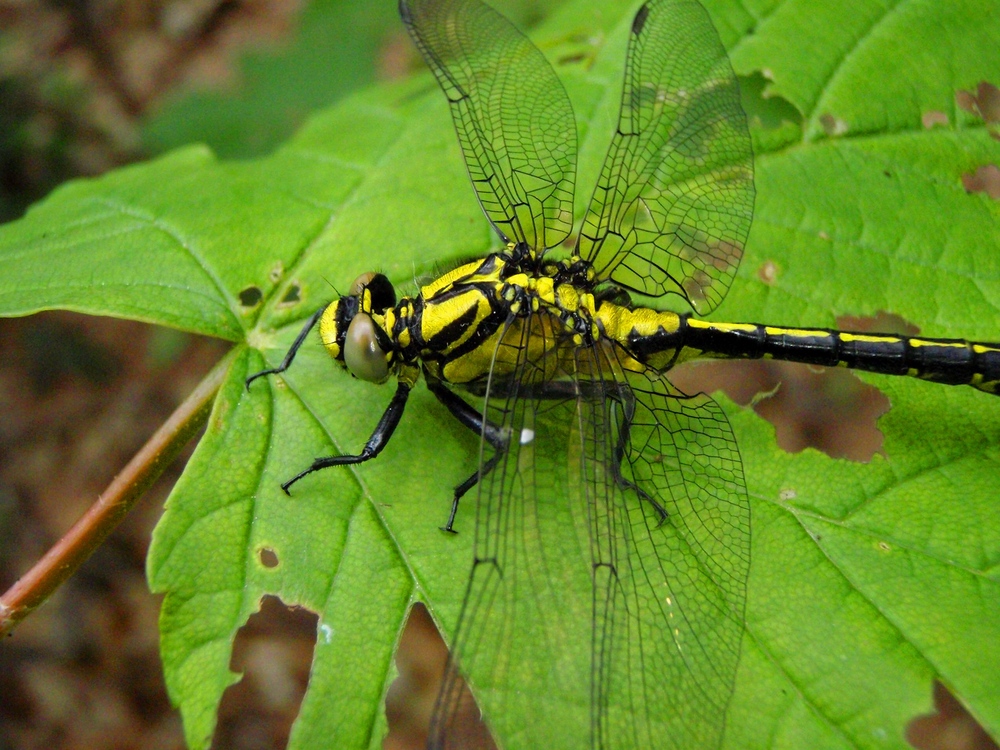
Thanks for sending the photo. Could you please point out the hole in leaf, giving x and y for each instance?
(880, 322)
(765, 109)
(292, 295)
(952, 726)
(984, 104)
(276, 272)
(825, 408)
(984, 180)
(274, 652)
(251, 296)
(420, 659)
(268, 557)
(828, 409)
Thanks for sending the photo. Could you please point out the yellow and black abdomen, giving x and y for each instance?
(948, 361)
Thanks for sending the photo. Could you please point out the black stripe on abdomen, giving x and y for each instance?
(949, 361)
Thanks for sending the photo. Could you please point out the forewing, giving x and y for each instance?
(591, 619)
(673, 205)
(523, 636)
(514, 120)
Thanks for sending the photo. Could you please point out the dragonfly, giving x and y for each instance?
(594, 470)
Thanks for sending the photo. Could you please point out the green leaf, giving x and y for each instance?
(867, 580)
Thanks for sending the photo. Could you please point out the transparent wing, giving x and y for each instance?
(514, 120)
(590, 619)
(669, 605)
(673, 205)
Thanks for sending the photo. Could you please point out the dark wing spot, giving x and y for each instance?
(640, 19)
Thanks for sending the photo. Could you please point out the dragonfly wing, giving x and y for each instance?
(514, 120)
(523, 637)
(674, 555)
(589, 620)
(673, 205)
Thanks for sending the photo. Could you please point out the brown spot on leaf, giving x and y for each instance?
(832, 126)
(934, 118)
(768, 272)
(986, 179)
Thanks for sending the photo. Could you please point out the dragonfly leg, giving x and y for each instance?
(624, 435)
(475, 421)
(292, 351)
(380, 437)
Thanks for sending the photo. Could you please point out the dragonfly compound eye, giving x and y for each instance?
(362, 354)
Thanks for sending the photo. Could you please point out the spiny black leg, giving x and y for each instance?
(380, 437)
(475, 421)
(467, 485)
(290, 355)
(624, 432)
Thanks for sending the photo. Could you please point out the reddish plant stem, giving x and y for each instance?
(93, 527)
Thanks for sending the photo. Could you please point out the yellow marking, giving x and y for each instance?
(949, 344)
(867, 339)
(518, 279)
(328, 329)
(705, 324)
(569, 298)
(798, 333)
(408, 374)
(983, 349)
(620, 324)
(440, 313)
(443, 282)
(544, 287)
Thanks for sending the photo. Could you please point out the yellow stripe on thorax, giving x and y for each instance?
(463, 273)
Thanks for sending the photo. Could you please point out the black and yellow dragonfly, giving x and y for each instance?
(588, 453)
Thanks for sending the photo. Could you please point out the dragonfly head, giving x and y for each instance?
(353, 328)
